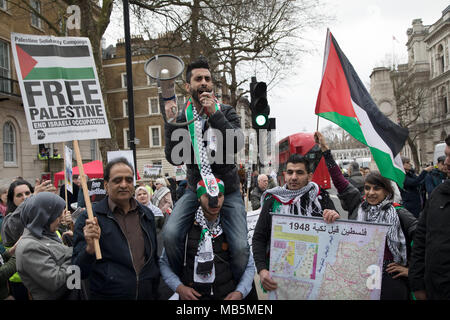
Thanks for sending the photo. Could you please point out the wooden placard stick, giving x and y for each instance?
(98, 253)
(65, 177)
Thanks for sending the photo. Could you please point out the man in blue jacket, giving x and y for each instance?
(126, 231)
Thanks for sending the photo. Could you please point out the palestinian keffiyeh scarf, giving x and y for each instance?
(204, 271)
(384, 212)
(304, 201)
(201, 155)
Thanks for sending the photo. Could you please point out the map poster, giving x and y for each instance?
(313, 260)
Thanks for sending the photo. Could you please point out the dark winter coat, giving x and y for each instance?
(433, 179)
(255, 198)
(411, 198)
(114, 276)
(224, 282)
(357, 180)
(225, 118)
(430, 258)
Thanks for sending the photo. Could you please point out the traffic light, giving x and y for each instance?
(259, 106)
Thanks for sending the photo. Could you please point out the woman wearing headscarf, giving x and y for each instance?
(377, 206)
(143, 197)
(41, 258)
(162, 197)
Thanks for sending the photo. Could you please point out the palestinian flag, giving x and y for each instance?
(51, 62)
(344, 100)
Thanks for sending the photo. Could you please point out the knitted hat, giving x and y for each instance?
(201, 188)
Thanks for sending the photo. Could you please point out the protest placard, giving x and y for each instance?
(60, 89)
(68, 169)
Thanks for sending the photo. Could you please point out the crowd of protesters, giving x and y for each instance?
(41, 238)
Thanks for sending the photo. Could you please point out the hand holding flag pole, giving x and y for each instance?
(344, 100)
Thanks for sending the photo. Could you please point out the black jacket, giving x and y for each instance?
(263, 230)
(223, 120)
(357, 180)
(114, 276)
(411, 198)
(430, 258)
(224, 282)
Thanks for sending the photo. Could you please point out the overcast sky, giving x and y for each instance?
(364, 30)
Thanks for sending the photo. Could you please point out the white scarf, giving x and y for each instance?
(384, 212)
(205, 252)
(305, 200)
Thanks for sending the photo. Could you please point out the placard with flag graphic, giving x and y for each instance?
(60, 89)
(344, 100)
(68, 179)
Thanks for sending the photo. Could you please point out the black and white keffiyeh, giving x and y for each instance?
(204, 260)
(304, 201)
(200, 150)
(385, 212)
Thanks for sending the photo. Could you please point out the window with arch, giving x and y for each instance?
(9, 143)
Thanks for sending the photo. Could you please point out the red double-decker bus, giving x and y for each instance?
(304, 144)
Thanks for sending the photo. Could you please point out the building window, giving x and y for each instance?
(126, 138)
(153, 105)
(155, 136)
(3, 5)
(124, 80)
(5, 85)
(157, 162)
(93, 149)
(125, 108)
(35, 20)
(9, 144)
(151, 82)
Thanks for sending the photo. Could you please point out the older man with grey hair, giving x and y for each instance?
(255, 196)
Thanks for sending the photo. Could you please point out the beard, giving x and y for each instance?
(195, 94)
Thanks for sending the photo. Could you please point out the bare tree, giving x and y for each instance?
(339, 139)
(412, 100)
(239, 37)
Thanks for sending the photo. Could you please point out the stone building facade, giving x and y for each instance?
(428, 73)
(18, 157)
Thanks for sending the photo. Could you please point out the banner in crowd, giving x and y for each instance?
(252, 219)
(60, 89)
(68, 168)
(180, 172)
(96, 189)
(152, 170)
(313, 260)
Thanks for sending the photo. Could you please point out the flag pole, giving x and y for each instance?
(317, 128)
(65, 176)
(98, 253)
